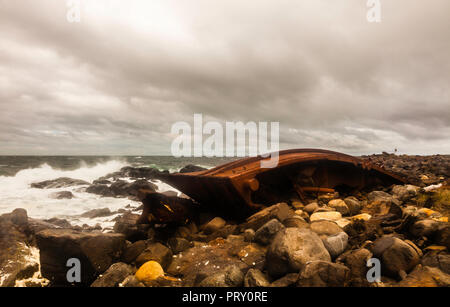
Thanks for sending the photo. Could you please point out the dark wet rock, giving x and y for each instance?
(396, 256)
(223, 232)
(178, 245)
(336, 244)
(323, 274)
(16, 254)
(101, 182)
(96, 252)
(114, 275)
(192, 168)
(141, 172)
(292, 248)
(424, 228)
(442, 236)
(62, 195)
(214, 225)
(164, 281)
(325, 228)
(133, 250)
(156, 252)
(424, 276)
(100, 189)
(437, 260)
(353, 204)
(265, 234)
(62, 223)
(255, 278)
(232, 276)
(279, 211)
(356, 261)
(127, 225)
(102, 212)
(62, 182)
(288, 280)
(380, 197)
(124, 188)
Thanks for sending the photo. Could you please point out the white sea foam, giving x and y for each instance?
(15, 192)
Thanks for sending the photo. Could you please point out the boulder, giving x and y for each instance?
(132, 251)
(113, 276)
(156, 252)
(100, 189)
(127, 225)
(353, 204)
(190, 168)
(396, 256)
(255, 278)
(267, 232)
(17, 254)
(62, 195)
(310, 208)
(149, 271)
(214, 225)
(231, 276)
(323, 274)
(124, 188)
(336, 244)
(292, 248)
(62, 182)
(437, 260)
(96, 251)
(356, 261)
(339, 205)
(279, 211)
(97, 213)
(424, 228)
(178, 245)
(295, 221)
(325, 228)
(442, 236)
(327, 216)
(288, 280)
(62, 223)
(205, 259)
(405, 192)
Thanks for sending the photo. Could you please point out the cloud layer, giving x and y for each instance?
(116, 82)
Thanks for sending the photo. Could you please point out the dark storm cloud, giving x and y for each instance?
(115, 83)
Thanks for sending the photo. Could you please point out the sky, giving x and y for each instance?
(115, 82)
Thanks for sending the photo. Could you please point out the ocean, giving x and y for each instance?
(18, 172)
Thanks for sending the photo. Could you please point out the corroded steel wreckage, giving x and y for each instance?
(239, 188)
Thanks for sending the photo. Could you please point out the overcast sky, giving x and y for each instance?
(116, 82)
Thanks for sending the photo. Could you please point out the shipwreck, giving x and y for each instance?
(239, 188)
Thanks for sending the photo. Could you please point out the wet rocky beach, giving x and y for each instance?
(323, 240)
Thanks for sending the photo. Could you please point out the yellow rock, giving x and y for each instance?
(328, 216)
(362, 216)
(443, 219)
(426, 211)
(149, 271)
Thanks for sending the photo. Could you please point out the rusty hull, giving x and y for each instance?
(241, 187)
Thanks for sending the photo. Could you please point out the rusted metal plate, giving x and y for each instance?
(242, 186)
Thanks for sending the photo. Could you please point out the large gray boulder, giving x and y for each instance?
(96, 252)
(292, 248)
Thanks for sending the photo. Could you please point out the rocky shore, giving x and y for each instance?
(325, 240)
